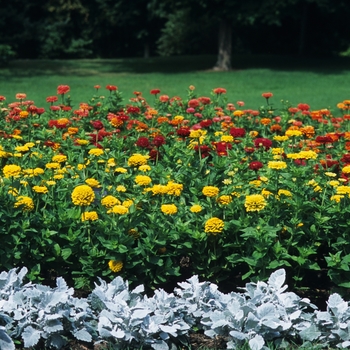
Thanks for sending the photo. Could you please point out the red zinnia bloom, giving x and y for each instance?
(204, 100)
(323, 139)
(255, 165)
(133, 110)
(2, 98)
(154, 154)
(159, 140)
(205, 123)
(97, 87)
(262, 142)
(164, 98)
(62, 89)
(205, 150)
(237, 132)
(97, 124)
(345, 158)
(55, 108)
(267, 95)
(51, 99)
(222, 147)
(40, 111)
(143, 142)
(193, 103)
(303, 106)
(155, 92)
(219, 91)
(111, 87)
(21, 96)
(184, 131)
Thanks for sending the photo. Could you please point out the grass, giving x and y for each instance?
(320, 82)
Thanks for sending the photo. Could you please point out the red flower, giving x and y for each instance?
(164, 98)
(237, 132)
(111, 87)
(97, 124)
(143, 142)
(206, 123)
(155, 92)
(219, 91)
(159, 140)
(345, 158)
(193, 103)
(154, 154)
(184, 131)
(323, 139)
(2, 98)
(222, 147)
(204, 100)
(303, 106)
(97, 87)
(205, 150)
(40, 111)
(262, 142)
(255, 165)
(51, 99)
(62, 89)
(133, 110)
(267, 95)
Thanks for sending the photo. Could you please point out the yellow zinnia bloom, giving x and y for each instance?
(95, 152)
(224, 200)
(26, 203)
(115, 266)
(196, 208)
(110, 201)
(92, 182)
(118, 209)
(169, 209)
(277, 165)
(89, 216)
(59, 158)
(210, 191)
(11, 170)
(137, 159)
(214, 226)
(40, 189)
(255, 202)
(143, 180)
(83, 195)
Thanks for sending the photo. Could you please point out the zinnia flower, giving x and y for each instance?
(83, 195)
(210, 191)
(40, 189)
(169, 209)
(143, 180)
(11, 170)
(224, 200)
(89, 216)
(26, 203)
(118, 209)
(277, 165)
(115, 266)
(62, 89)
(92, 182)
(214, 226)
(196, 208)
(110, 201)
(95, 152)
(255, 202)
(137, 160)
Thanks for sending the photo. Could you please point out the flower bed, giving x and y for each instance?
(156, 191)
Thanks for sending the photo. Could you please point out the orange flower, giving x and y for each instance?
(265, 121)
(275, 128)
(21, 96)
(162, 120)
(116, 122)
(308, 131)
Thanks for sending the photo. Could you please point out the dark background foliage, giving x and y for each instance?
(120, 28)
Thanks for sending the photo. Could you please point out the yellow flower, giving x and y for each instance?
(307, 155)
(59, 158)
(26, 203)
(115, 266)
(50, 183)
(343, 190)
(11, 170)
(137, 159)
(210, 191)
(92, 182)
(82, 142)
(89, 216)
(128, 203)
(293, 133)
(214, 226)
(317, 189)
(95, 152)
(169, 209)
(53, 165)
(40, 189)
(330, 174)
(159, 189)
(118, 209)
(121, 188)
(22, 149)
(337, 198)
(224, 200)
(277, 151)
(227, 181)
(226, 138)
(58, 177)
(255, 202)
(196, 208)
(110, 201)
(346, 169)
(120, 170)
(83, 195)
(281, 138)
(13, 191)
(277, 165)
(266, 193)
(255, 183)
(334, 183)
(174, 189)
(144, 168)
(143, 180)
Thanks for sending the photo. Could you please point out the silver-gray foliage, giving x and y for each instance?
(262, 313)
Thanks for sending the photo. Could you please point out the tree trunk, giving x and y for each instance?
(225, 46)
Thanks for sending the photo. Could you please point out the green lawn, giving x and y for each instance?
(322, 83)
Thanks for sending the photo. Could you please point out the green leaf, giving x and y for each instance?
(66, 253)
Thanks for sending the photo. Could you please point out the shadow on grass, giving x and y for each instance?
(171, 65)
